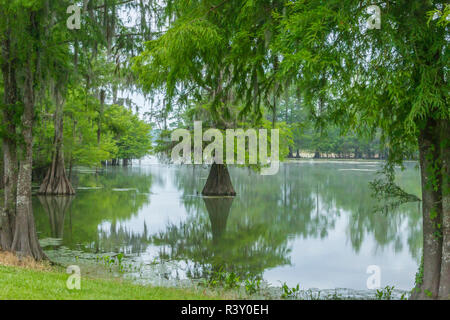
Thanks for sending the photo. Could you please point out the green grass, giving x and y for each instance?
(26, 284)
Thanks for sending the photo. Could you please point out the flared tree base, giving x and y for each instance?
(56, 183)
(219, 182)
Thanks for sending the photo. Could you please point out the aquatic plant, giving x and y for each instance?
(290, 292)
(385, 293)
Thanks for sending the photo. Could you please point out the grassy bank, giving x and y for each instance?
(25, 279)
(30, 284)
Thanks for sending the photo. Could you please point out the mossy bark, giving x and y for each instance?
(9, 148)
(25, 241)
(444, 281)
(434, 160)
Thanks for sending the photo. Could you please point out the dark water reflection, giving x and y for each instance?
(312, 223)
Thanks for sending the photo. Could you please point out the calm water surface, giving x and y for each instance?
(313, 223)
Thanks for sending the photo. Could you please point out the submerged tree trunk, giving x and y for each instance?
(219, 182)
(56, 181)
(25, 241)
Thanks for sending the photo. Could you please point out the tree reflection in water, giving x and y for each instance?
(56, 208)
(208, 245)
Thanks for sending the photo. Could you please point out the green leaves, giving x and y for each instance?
(180, 56)
(131, 135)
(390, 78)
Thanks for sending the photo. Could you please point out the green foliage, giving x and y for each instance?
(132, 135)
(205, 55)
(252, 286)
(110, 261)
(230, 281)
(384, 294)
(78, 65)
(381, 76)
(227, 280)
(123, 134)
(80, 131)
(179, 56)
(350, 85)
(442, 15)
(290, 293)
(419, 276)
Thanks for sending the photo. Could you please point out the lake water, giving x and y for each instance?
(313, 223)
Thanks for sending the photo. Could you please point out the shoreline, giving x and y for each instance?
(26, 279)
(20, 283)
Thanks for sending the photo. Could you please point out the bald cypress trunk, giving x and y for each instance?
(219, 182)
(25, 241)
(1, 174)
(432, 211)
(7, 215)
(56, 181)
(9, 177)
(444, 281)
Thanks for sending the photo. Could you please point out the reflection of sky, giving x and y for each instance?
(164, 207)
(332, 262)
(325, 263)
